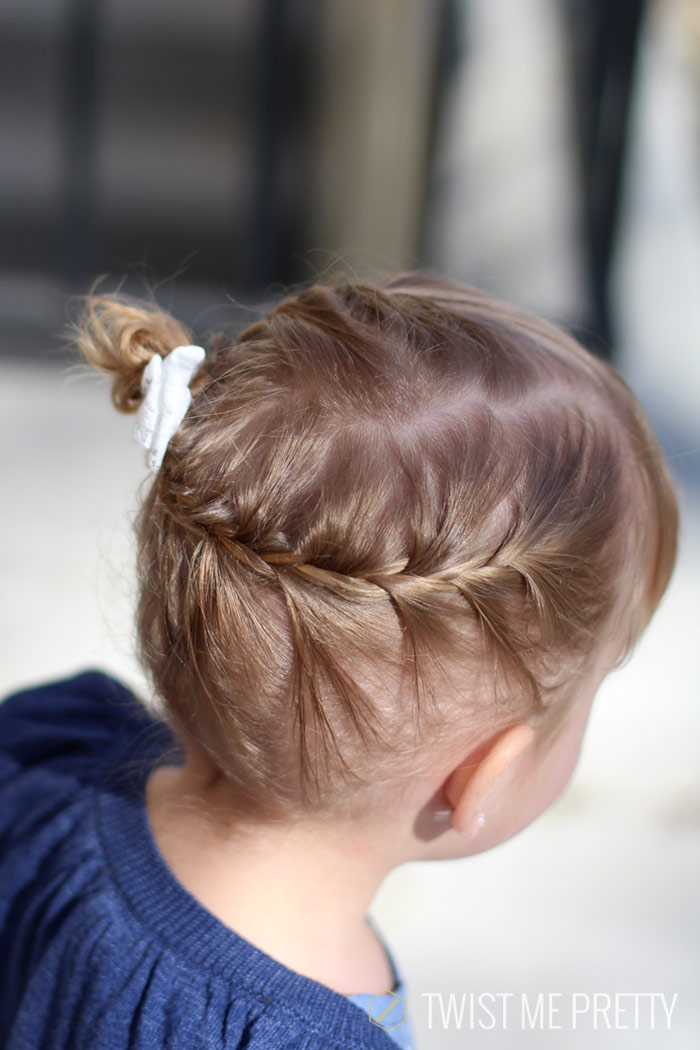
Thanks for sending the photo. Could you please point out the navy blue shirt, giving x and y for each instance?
(101, 947)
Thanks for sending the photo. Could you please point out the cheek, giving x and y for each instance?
(538, 784)
(534, 786)
(559, 770)
(557, 767)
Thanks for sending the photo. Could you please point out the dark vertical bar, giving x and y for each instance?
(79, 96)
(604, 38)
(262, 262)
(305, 86)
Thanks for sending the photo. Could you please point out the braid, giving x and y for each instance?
(479, 580)
(370, 584)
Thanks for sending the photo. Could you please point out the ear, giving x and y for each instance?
(470, 782)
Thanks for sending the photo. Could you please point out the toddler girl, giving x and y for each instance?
(395, 537)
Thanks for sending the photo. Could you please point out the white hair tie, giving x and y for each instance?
(165, 385)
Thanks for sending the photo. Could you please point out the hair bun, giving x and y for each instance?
(119, 335)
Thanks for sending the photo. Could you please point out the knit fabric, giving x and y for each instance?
(101, 947)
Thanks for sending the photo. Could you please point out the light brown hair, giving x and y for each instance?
(374, 485)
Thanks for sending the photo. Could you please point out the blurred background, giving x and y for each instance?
(546, 150)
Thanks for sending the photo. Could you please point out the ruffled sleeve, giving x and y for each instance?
(80, 725)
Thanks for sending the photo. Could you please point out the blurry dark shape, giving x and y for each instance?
(237, 147)
(79, 137)
(449, 52)
(284, 80)
(126, 134)
(272, 112)
(603, 39)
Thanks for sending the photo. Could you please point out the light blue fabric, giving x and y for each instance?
(392, 1009)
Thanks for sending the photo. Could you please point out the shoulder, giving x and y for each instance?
(102, 948)
(97, 979)
(81, 970)
(68, 723)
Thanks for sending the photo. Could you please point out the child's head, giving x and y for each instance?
(396, 521)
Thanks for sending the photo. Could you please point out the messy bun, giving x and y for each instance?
(119, 335)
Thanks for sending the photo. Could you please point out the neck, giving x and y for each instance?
(299, 892)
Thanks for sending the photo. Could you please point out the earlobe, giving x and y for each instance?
(468, 785)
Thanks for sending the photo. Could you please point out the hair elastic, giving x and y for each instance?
(165, 385)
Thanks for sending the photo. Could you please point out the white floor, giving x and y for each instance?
(601, 894)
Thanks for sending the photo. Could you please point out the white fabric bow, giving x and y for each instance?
(165, 384)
